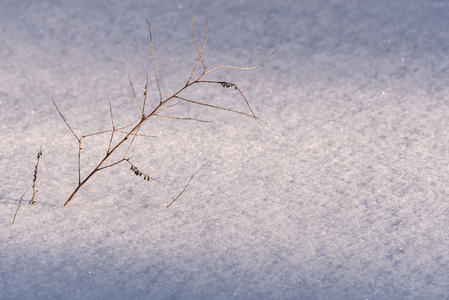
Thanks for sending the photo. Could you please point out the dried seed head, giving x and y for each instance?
(227, 84)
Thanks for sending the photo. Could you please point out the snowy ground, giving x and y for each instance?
(343, 194)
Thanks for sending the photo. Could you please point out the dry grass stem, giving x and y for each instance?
(18, 206)
(200, 53)
(113, 126)
(179, 195)
(187, 119)
(239, 68)
(135, 97)
(33, 198)
(65, 121)
(154, 63)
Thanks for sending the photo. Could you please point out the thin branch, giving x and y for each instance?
(222, 108)
(238, 68)
(113, 126)
(103, 160)
(182, 190)
(154, 63)
(132, 141)
(57, 108)
(79, 159)
(165, 108)
(116, 130)
(39, 154)
(200, 53)
(180, 118)
(145, 94)
(134, 93)
(228, 85)
(113, 164)
(135, 134)
(18, 206)
(109, 130)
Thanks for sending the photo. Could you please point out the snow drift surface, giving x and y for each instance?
(342, 195)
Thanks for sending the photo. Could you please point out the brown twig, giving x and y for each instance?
(154, 62)
(134, 93)
(18, 206)
(200, 53)
(219, 107)
(186, 119)
(113, 126)
(33, 198)
(238, 68)
(145, 94)
(179, 195)
(39, 154)
(70, 128)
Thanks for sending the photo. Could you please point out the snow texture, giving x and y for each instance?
(344, 194)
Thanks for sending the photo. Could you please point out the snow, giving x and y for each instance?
(343, 194)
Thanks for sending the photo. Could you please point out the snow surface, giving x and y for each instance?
(343, 194)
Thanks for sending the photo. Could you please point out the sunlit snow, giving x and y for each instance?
(343, 194)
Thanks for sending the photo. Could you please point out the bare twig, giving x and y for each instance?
(145, 94)
(119, 130)
(170, 106)
(134, 93)
(156, 112)
(187, 119)
(132, 141)
(183, 189)
(111, 165)
(113, 126)
(154, 63)
(70, 128)
(39, 154)
(228, 85)
(238, 68)
(200, 53)
(219, 107)
(33, 198)
(18, 206)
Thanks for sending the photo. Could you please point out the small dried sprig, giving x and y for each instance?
(227, 84)
(162, 106)
(33, 199)
(137, 172)
(18, 206)
(179, 195)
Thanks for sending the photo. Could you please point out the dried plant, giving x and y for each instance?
(163, 105)
(33, 198)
